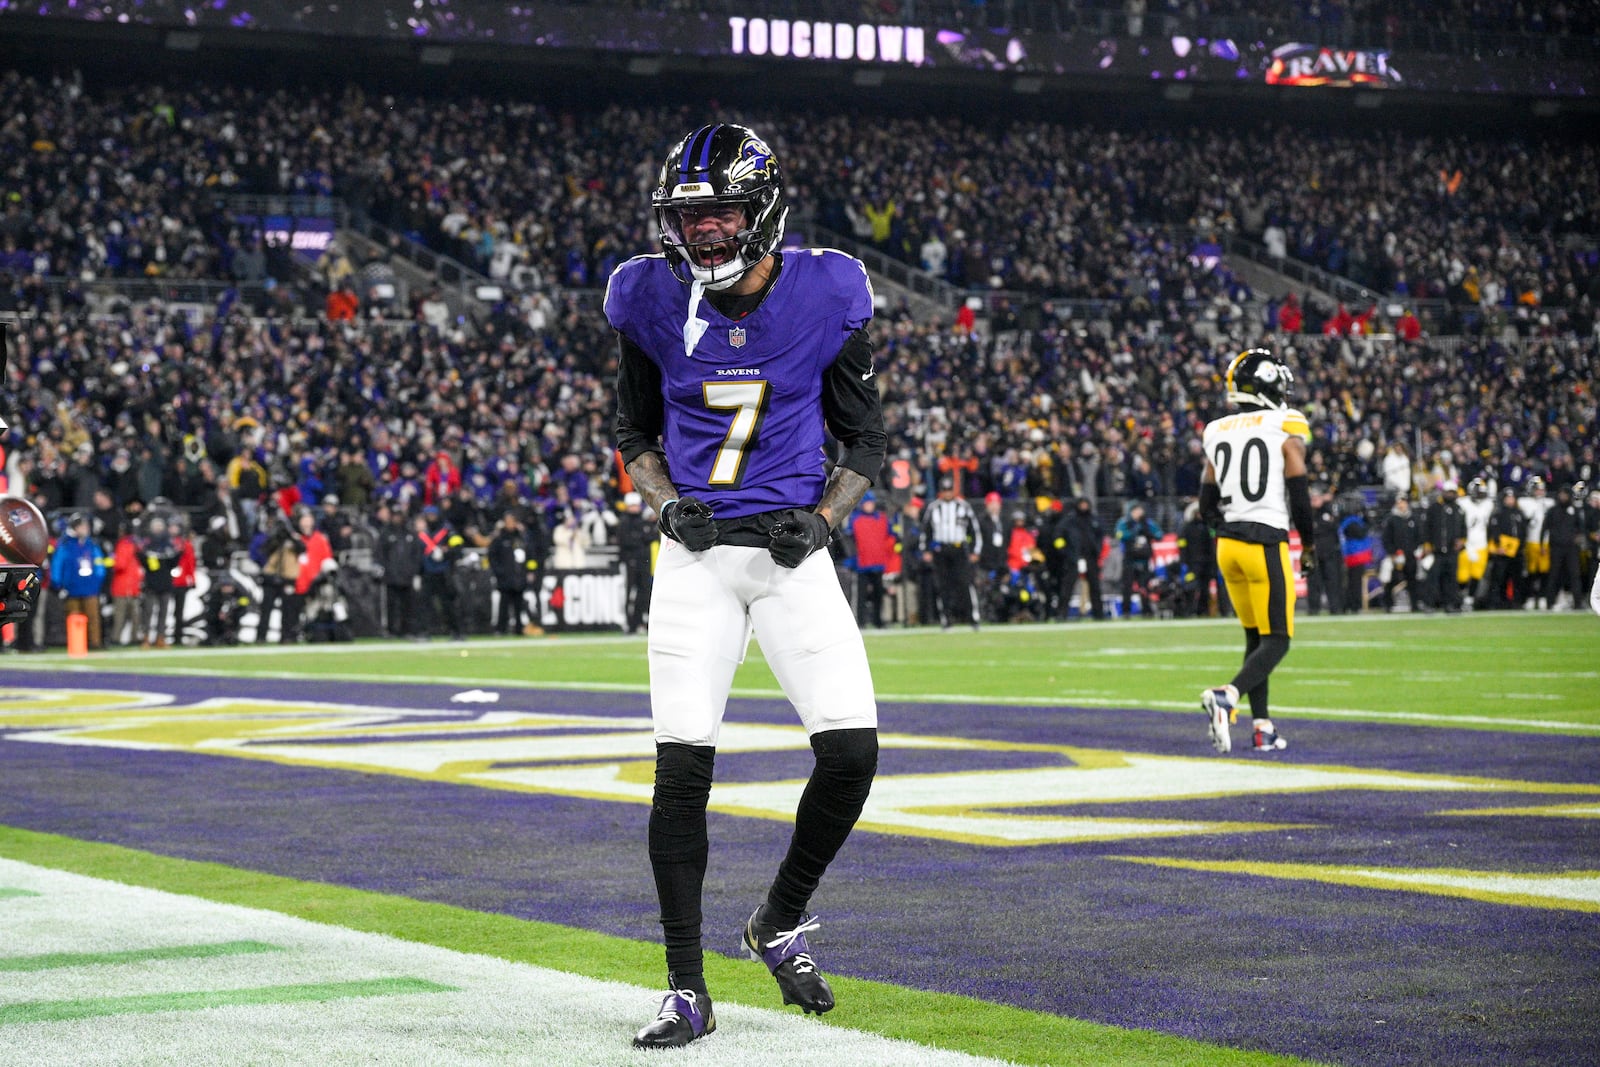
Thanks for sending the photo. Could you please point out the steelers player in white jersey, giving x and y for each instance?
(1254, 486)
(1535, 505)
(1473, 562)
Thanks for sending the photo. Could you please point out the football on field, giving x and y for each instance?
(24, 537)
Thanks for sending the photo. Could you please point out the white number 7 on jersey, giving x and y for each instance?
(748, 402)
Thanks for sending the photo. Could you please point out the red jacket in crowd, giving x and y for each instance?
(441, 480)
(318, 551)
(1290, 317)
(127, 568)
(342, 305)
(1020, 549)
(874, 542)
(184, 576)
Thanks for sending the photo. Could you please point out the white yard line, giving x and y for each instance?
(1065, 700)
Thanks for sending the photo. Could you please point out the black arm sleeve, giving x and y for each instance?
(1300, 506)
(641, 412)
(851, 406)
(1211, 504)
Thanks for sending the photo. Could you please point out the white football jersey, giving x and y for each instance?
(1246, 451)
(1477, 514)
(1534, 509)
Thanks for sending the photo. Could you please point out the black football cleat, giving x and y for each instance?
(683, 1018)
(788, 957)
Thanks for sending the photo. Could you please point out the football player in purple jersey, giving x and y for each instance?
(736, 357)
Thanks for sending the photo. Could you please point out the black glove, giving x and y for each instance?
(1308, 561)
(19, 592)
(689, 522)
(798, 534)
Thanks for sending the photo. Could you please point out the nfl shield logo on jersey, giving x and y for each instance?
(736, 336)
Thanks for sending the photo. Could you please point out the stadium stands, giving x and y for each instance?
(1106, 306)
(133, 181)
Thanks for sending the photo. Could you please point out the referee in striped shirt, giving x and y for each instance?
(952, 535)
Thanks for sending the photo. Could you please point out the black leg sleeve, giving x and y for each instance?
(829, 807)
(678, 853)
(1262, 654)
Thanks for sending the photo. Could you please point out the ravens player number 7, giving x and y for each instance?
(1253, 487)
(735, 354)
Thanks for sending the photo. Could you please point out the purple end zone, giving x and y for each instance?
(1332, 973)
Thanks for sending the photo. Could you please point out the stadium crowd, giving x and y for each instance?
(1031, 408)
(125, 181)
(243, 424)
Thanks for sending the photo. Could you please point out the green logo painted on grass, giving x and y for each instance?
(307, 993)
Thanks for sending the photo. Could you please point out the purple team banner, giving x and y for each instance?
(1023, 53)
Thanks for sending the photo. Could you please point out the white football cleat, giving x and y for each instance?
(1222, 708)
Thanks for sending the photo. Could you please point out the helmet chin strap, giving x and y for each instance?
(726, 283)
(710, 277)
(1250, 400)
(694, 327)
(707, 277)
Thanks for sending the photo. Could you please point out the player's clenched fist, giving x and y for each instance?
(798, 534)
(689, 522)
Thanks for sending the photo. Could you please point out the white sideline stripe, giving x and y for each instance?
(1094, 698)
(503, 1012)
(555, 642)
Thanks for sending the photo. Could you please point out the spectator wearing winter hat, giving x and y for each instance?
(77, 572)
(991, 568)
(315, 550)
(127, 589)
(184, 576)
(874, 548)
(161, 554)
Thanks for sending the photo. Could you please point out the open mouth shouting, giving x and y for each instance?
(716, 253)
(710, 233)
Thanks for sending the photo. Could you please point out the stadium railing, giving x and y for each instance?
(283, 204)
(912, 279)
(451, 273)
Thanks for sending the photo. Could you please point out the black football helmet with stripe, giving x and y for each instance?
(1257, 378)
(720, 164)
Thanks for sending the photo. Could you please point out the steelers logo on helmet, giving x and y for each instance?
(719, 205)
(1256, 377)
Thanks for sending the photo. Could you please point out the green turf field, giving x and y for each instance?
(494, 1023)
(1508, 671)
(1505, 670)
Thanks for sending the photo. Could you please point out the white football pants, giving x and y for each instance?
(703, 609)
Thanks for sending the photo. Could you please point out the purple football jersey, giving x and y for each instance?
(743, 398)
